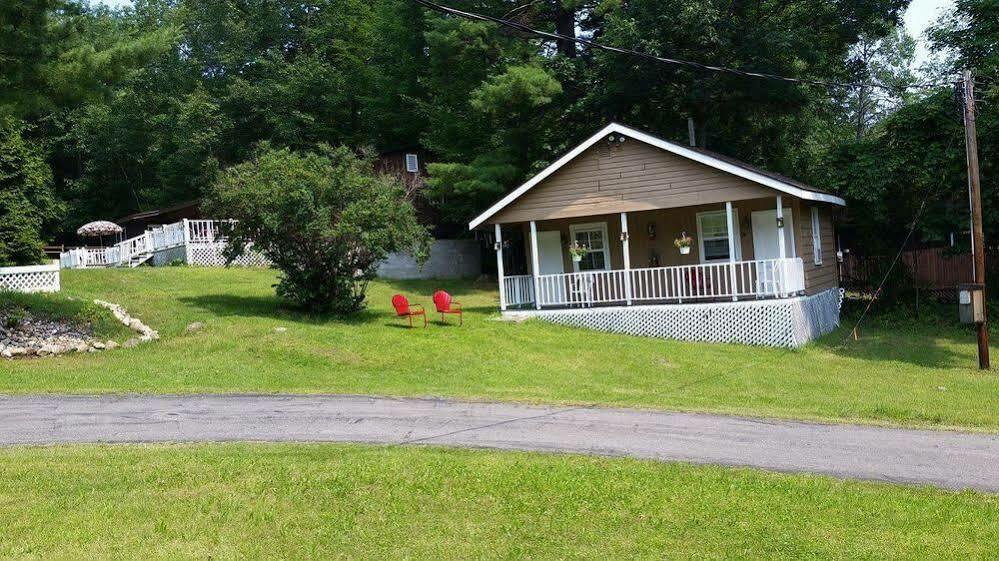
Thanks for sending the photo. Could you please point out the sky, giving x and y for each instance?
(918, 17)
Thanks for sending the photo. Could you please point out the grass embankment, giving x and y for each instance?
(346, 501)
(83, 314)
(907, 376)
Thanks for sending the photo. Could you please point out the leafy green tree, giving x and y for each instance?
(887, 61)
(27, 203)
(47, 58)
(323, 218)
(917, 152)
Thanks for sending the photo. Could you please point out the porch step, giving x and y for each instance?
(138, 260)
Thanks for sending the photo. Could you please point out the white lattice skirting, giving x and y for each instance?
(789, 323)
(35, 278)
(212, 255)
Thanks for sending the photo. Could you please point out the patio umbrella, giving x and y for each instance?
(99, 229)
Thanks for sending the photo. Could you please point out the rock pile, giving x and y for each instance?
(37, 336)
(145, 332)
(32, 335)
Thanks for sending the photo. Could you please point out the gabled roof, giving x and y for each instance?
(717, 161)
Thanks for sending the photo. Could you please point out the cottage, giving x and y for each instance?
(601, 229)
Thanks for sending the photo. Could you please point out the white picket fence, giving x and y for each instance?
(33, 278)
(770, 278)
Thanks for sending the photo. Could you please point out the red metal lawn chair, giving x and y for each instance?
(404, 309)
(447, 306)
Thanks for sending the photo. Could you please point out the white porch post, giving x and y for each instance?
(187, 242)
(626, 250)
(499, 267)
(535, 265)
(780, 246)
(731, 250)
(780, 228)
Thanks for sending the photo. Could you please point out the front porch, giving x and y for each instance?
(756, 280)
(744, 250)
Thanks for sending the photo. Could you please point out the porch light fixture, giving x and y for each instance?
(651, 230)
(497, 246)
(780, 221)
(624, 236)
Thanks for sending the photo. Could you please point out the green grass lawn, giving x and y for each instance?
(916, 377)
(349, 501)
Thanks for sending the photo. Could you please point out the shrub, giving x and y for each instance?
(324, 219)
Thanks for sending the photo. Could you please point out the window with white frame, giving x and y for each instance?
(816, 237)
(412, 163)
(712, 235)
(594, 238)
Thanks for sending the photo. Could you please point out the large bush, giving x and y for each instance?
(324, 219)
(26, 201)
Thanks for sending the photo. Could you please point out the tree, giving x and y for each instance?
(885, 61)
(26, 200)
(49, 60)
(323, 218)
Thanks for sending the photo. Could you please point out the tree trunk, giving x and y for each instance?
(565, 24)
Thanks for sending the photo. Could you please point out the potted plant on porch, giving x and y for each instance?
(578, 251)
(683, 243)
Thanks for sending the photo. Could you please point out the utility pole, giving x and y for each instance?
(977, 233)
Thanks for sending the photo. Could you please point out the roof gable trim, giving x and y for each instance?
(705, 159)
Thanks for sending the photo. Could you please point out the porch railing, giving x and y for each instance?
(155, 239)
(770, 278)
(519, 290)
(169, 235)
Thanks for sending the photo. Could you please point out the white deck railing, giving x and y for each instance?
(154, 239)
(169, 235)
(90, 257)
(205, 231)
(771, 278)
(139, 245)
(519, 290)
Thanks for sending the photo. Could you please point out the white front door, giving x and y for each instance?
(765, 245)
(550, 260)
(765, 234)
(550, 253)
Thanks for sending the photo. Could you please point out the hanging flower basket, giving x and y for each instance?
(683, 243)
(578, 251)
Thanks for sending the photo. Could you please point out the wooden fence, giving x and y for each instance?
(937, 270)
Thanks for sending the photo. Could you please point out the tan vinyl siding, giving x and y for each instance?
(825, 276)
(613, 239)
(627, 178)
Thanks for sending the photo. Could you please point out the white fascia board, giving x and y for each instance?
(669, 147)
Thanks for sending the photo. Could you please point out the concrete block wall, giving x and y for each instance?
(449, 259)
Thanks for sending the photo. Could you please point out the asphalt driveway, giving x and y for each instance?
(946, 459)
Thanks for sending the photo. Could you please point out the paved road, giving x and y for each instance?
(945, 459)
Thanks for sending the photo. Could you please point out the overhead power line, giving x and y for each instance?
(665, 60)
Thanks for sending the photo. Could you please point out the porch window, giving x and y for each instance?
(594, 237)
(816, 237)
(712, 235)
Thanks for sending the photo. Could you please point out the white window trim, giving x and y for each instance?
(816, 237)
(590, 226)
(738, 237)
(416, 159)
